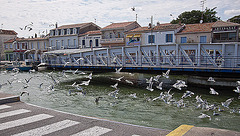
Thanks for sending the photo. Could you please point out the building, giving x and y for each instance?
(36, 47)
(225, 32)
(66, 36)
(114, 34)
(5, 35)
(90, 39)
(160, 34)
(25, 48)
(195, 33)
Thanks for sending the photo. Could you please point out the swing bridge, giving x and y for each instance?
(224, 57)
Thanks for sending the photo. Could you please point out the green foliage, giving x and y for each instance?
(194, 16)
(235, 19)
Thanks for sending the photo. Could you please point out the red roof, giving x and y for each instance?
(194, 28)
(8, 32)
(160, 27)
(118, 25)
(74, 26)
(95, 32)
(224, 24)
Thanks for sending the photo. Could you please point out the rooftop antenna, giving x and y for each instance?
(95, 20)
(1, 26)
(202, 5)
(134, 9)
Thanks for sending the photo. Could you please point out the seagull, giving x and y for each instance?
(210, 79)
(40, 85)
(27, 80)
(85, 83)
(159, 86)
(133, 8)
(149, 87)
(216, 114)
(149, 80)
(24, 92)
(166, 75)
(238, 89)
(212, 91)
(118, 70)
(114, 86)
(159, 97)
(118, 79)
(199, 99)
(156, 78)
(97, 99)
(10, 82)
(204, 116)
(90, 76)
(179, 84)
(227, 102)
(134, 95)
(128, 81)
(187, 94)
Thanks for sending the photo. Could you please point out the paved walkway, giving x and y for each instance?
(22, 119)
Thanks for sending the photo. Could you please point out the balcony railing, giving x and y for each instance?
(113, 40)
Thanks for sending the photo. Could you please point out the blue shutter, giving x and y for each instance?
(171, 37)
(153, 38)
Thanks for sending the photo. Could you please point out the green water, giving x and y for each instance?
(138, 111)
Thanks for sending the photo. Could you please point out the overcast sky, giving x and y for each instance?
(15, 14)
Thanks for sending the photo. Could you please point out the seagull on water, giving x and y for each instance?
(210, 79)
(97, 99)
(204, 116)
(149, 80)
(114, 93)
(85, 83)
(89, 76)
(149, 87)
(134, 95)
(179, 84)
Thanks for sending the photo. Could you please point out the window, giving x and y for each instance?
(110, 35)
(74, 42)
(183, 39)
(203, 39)
(68, 42)
(62, 43)
(96, 43)
(169, 38)
(83, 42)
(71, 30)
(119, 35)
(59, 32)
(31, 45)
(45, 45)
(151, 38)
(10, 46)
(6, 46)
(231, 36)
(38, 45)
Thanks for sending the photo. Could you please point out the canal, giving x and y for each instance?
(55, 90)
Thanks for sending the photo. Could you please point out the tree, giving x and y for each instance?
(235, 19)
(194, 16)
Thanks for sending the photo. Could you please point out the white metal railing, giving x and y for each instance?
(113, 40)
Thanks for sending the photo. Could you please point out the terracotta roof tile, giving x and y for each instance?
(193, 28)
(73, 25)
(118, 25)
(8, 32)
(224, 24)
(160, 27)
(91, 33)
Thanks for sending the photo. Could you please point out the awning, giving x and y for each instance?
(129, 35)
(137, 35)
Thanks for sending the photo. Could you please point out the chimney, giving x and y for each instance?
(35, 35)
(158, 23)
(56, 25)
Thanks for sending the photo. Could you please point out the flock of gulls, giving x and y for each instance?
(152, 83)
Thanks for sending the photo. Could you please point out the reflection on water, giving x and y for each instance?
(139, 110)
